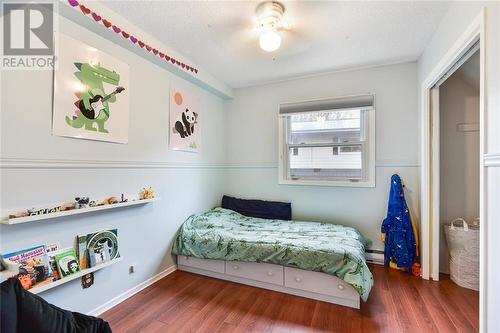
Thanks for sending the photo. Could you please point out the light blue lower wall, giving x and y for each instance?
(145, 232)
(38, 168)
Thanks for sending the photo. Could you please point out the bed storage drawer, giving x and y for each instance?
(256, 271)
(206, 264)
(320, 283)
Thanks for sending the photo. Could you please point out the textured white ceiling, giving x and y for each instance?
(323, 36)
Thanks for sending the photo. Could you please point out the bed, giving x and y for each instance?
(316, 260)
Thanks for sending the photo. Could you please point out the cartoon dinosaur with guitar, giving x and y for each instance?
(93, 103)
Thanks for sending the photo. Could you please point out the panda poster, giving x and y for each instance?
(185, 129)
(91, 93)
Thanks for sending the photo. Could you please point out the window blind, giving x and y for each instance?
(350, 102)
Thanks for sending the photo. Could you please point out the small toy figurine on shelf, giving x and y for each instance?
(123, 199)
(82, 202)
(109, 201)
(68, 206)
(20, 214)
(147, 193)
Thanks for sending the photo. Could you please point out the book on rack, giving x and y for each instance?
(34, 267)
(98, 247)
(52, 250)
(67, 262)
(81, 251)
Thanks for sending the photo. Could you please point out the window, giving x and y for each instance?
(328, 142)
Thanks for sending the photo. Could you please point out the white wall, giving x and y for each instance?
(38, 168)
(459, 155)
(456, 21)
(252, 126)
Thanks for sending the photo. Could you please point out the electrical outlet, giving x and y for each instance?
(131, 269)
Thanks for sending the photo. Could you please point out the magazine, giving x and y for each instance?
(67, 262)
(34, 266)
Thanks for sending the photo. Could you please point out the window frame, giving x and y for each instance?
(368, 159)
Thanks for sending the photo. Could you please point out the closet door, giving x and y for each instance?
(435, 184)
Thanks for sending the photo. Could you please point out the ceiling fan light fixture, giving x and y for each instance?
(269, 15)
(270, 40)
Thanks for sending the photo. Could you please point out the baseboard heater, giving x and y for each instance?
(374, 256)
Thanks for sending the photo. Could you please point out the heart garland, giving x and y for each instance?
(84, 10)
(98, 18)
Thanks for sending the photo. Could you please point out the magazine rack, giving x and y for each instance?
(45, 287)
(34, 218)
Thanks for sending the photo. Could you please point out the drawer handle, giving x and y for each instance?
(270, 273)
(297, 279)
(235, 267)
(341, 287)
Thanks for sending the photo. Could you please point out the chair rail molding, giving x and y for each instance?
(47, 163)
(54, 163)
(492, 160)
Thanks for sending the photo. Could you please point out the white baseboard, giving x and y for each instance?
(131, 292)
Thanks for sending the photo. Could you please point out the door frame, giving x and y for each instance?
(430, 231)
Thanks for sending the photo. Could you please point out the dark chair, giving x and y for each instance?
(24, 312)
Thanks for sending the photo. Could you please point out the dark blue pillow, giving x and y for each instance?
(259, 208)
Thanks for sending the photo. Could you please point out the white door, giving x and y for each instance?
(434, 179)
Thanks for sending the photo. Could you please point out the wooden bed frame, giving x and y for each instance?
(309, 284)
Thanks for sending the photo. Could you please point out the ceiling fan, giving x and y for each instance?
(269, 15)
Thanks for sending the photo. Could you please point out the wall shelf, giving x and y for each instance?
(45, 287)
(34, 218)
(468, 127)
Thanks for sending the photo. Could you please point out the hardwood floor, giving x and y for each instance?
(185, 302)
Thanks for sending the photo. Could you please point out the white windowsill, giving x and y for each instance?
(299, 182)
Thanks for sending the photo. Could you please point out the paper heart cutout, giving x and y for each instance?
(167, 58)
(73, 3)
(84, 9)
(183, 65)
(106, 23)
(188, 68)
(96, 17)
(148, 47)
(196, 71)
(133, 39)
(172, 60)
(125, 34)
(141, 44)
(177, 62)
(155, 51)
(116, 29)
(161, 55)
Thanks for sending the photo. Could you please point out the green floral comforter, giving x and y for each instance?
(225, 234)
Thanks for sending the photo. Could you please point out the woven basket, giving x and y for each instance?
(463, 246)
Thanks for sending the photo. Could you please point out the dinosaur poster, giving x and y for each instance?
(91, 94)
(185, 129)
